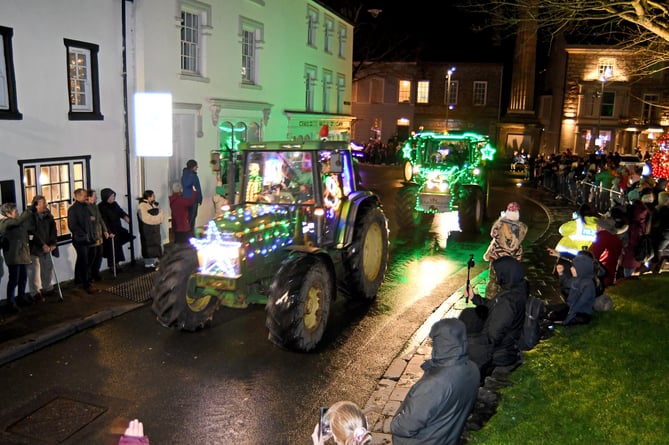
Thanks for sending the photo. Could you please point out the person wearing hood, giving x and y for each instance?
(495, 324)
(436, 407)
(507, 235)
(582, 292)
(190, 184)
(113, 215)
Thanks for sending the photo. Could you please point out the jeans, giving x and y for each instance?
(18, 276)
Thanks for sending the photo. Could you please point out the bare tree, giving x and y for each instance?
(639, 25)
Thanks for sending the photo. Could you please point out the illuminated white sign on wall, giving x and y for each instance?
(153, 124)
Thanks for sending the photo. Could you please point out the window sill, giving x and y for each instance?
(193, 77)
(85, 116)
(10, 115)
(250, 86)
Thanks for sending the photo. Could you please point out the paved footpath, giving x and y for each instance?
(405, 370)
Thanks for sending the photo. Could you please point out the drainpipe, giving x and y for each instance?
(125, 124)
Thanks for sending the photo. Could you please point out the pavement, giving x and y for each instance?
(42, 324)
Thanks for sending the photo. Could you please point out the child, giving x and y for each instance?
(582, 292)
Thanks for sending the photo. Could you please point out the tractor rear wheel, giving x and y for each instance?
(367, 260)
(299, 303)
(171, 302)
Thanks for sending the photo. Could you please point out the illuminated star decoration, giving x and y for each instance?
(488, 153)
(216, 255)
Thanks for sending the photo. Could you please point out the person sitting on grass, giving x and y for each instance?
(579, 306)
(494, 326)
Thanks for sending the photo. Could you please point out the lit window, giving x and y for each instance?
(83, 80)
(312, 25)
(310, 82)
(605, 69)
(423, 92)
(329, 30)
(480, 92)
(405, 91)
(251, 33)
(56, 180)
(341, 90)
(327, 88)
(342, 41)
(8, 101)
(453, 100)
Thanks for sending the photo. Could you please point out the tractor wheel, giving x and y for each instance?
(299, 303)
(408, 218)
(367, 260)
(171, 302)
(471, 209)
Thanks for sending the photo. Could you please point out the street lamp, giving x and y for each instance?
(606, 75)
(449, 73)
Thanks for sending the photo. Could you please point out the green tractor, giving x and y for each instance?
(299, 232)
(444, 174)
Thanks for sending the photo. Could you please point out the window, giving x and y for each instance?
(480, 92)
(423, 92)
(310, 82)
(342, 41)
(405, 91)
(329, 31)
(605, 69)
(8, 102)
(56, 180)
(327, 88)
(83, 80)
(312, 25)
(377, 91)
(651, 112)
(453, 92)
(251, 33)
(195, 25)
(606, 106)
(341, 90)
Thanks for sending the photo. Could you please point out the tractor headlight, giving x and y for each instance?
(436, 182)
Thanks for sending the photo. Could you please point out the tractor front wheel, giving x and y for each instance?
(299, 302)
(171, 302)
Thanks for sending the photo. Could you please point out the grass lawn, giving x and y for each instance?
(602, 383)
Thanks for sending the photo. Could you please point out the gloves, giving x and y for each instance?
(154, 212)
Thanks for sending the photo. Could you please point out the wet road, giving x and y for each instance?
(228, 384)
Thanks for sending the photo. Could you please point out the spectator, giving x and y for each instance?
(495, 324)
(101, 234)
(659, 231)
(43, 243)
(179, 206)
(581, 298)
(113, 215)
(82, 225)
(14, 232)
(190, 184)
(437, 406)
(607, 248)
(348, 426)
(507, 235)
(639, 218)
(134, 434)
(150, 217)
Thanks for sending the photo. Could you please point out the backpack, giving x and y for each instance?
(531, 331)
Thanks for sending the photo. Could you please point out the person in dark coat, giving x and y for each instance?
(191, 185)
(113, 216)
(14, 233)
(639, 217)
(43, 244)
(607, 248)
(82, 225)
(101, 234)
(437, 406)
(150, 217)
(582, 292)
(179, 206)
(494, 325)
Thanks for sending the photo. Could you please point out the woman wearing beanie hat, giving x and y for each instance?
(507, 235)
